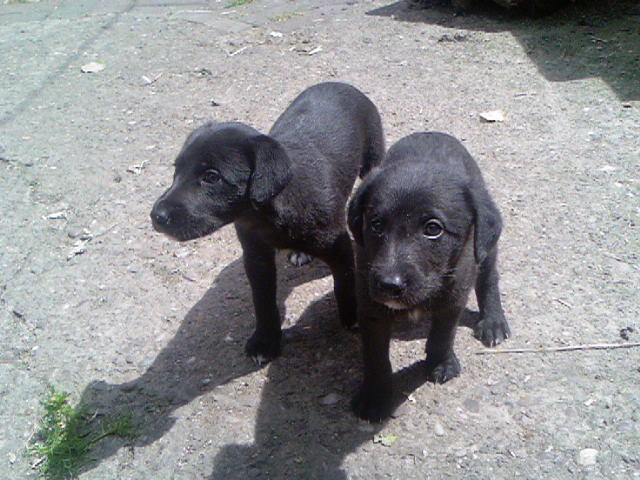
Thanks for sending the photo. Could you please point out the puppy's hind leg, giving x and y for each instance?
(492, 328)
(341, 262)
(260, 266)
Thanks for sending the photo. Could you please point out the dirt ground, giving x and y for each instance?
(95, 303)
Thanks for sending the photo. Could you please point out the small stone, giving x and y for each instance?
(472, 405)
(438, 429)
(75, 232)
(182, 253)
(254, 472)
(587, 457)
(330, 399)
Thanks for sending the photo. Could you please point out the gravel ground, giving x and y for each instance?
(95, 303)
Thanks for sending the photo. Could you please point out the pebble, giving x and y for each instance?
(472, 405)
(438, 429)
(587, 456)
(330, 399)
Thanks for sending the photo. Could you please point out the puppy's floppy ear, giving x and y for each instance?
(488, 223)
(271, 169)
(357, 204)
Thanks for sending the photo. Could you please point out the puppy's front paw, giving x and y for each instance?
(298, 259)
(262, 349)
(492, 331)
(443, 371)
(372, 406)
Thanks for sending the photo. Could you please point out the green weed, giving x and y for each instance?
(285, 16)
(238, 3)
(67, 434)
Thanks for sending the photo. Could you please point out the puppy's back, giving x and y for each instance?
(337, 122)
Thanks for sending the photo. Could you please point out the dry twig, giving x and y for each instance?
(568, 348)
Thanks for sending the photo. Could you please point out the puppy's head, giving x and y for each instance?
(222, 171)
(415, 228)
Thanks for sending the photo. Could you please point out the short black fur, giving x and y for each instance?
(285, 190)
(426, 231)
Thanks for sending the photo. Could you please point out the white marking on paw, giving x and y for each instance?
(299, 259)
(260, 359)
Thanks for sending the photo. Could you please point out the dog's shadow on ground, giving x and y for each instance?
(586, 38)
(304, 427)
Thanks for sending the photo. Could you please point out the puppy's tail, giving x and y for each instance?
(374, 147)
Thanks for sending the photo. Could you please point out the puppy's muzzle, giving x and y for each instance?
(160, 217)
(165, 217)
(388, 288)
(391, 286)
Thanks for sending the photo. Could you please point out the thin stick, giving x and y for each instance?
(238, 51)
(593, 346)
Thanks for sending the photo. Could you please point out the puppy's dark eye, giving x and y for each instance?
(211, 177)
(376, 226)
(433, 229)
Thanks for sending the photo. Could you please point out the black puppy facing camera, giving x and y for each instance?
(285, 190)
(426, 231)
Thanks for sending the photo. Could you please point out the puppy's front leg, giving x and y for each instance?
(260, 266)
(373, 400)
(442, 363)
(492, 328)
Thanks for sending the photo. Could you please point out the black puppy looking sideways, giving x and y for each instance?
(287, 190)
(426, 231)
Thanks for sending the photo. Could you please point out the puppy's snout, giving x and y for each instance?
(160, 216)
(391, 285)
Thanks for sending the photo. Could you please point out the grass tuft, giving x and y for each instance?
(67, 434)
(237, 3)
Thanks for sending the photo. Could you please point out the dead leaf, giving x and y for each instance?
(92, 67)
(61, 215)
(493, 116)
(137, 169)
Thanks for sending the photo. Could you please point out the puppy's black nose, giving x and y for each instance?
(392, 285)
(160, 216)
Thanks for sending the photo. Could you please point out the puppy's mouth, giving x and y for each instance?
(185, 234)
